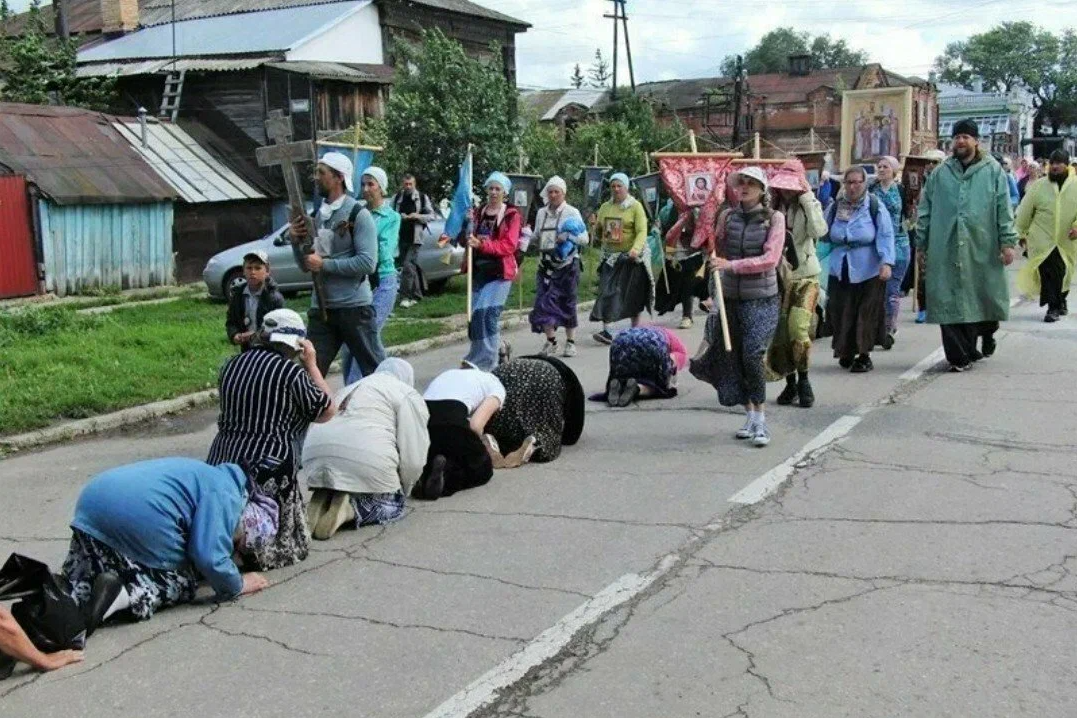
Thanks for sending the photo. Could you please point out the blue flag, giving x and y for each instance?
(361, 159)
(461, 202)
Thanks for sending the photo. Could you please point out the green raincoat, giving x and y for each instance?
(965, 219)
(1044, 219)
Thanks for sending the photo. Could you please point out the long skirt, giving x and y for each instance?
(555, 297)
(680, 284)
(790, 350)
(857, 316)
(150, 589)
(292, 543)
(377, 509)
(643, 354)
(534, 406)
(468, 463)
(484, 330)
(959, 341)
(1052, 277)
(739, 376)
(625, 289)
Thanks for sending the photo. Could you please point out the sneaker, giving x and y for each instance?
(846, 362)
(958, 368)
(523, 454)
(613, 392)
(549, 348)
(339, 513)
(319, 504)
(1052, 316)
(1065, 308)
(921, 316)
(629, 393)
(888, 342)
(570, 350)
(407, 303)
(686, 323)
(989, 345)
(761, 437)
(804, 391)
(494, 450)
(862, 365)
(603, 337)
(748, 430)
(789, 393)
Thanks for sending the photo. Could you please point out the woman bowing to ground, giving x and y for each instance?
(270, 396)
(494, 242)
(561, 232)
(749, 240)
(861, 259)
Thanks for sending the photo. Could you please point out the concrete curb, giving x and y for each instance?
(147, 412)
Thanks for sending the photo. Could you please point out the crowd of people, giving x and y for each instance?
(145, 535)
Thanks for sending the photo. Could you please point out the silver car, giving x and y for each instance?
(225, 270)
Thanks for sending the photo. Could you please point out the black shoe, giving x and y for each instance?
(603, 337)
(432, 482)
(846, 362)
(613, 392)
(888, 342)
(629, 394)
(1064, 308)
(862, 365)
(807, 396)
(989, 347)
(1052, 316)
(789, 393)
(106, 587)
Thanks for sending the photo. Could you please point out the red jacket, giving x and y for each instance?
(505, 241)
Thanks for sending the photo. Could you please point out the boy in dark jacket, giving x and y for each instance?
(251, 301)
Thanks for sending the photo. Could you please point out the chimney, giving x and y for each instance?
(800, 65)
(119, 16)
(142, 125)
(977, 84)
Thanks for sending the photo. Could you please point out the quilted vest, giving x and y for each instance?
(745, 237)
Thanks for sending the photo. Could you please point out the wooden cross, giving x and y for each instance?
(285, 154)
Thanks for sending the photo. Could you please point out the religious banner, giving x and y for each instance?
(647, 185)
(525, 189)
(594, 179)
(875, 123)
(693, 181)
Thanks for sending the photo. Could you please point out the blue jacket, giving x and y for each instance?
(861, 241)
(1015, 193)
(168, 513)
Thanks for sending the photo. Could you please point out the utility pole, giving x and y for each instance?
(738, 99)
(59, 8)
(620, 14)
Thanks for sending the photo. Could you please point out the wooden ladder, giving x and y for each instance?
(170, 100)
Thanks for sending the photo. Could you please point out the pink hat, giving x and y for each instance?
(790, 176)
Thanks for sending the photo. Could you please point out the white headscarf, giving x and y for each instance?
(379, 176)
(555, 182)
(340, 162)
(399, 369)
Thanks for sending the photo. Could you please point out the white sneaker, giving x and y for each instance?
(762, 434)
(748, 430)
(408, 303)
(570, 349)
(549, 349)
(686, 323)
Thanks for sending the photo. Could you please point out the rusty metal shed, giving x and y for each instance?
(102, 216)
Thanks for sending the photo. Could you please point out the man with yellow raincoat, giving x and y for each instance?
(1047, 223)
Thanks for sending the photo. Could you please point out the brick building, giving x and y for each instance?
(797, 111)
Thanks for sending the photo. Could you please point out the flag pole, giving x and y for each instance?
(719, 296)
(470, 259)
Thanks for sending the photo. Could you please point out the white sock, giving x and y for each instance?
(761, 417)
(123, 601)
(752, 416)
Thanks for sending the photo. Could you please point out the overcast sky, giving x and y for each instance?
(688, 38)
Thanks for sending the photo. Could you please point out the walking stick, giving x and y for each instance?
(720, 298)
(916, 280)
(470, 281)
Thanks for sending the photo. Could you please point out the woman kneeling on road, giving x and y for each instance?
(162, 525)
(364, 462)
(644, 362)
(461, 402)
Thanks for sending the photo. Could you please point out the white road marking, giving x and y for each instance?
(484, 690)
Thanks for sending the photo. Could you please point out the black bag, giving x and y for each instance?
(49, 616)
(791, 251)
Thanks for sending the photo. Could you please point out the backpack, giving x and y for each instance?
(873, 210)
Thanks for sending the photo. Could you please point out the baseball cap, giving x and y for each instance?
(284, 326)
(755, 173)
(258, 254)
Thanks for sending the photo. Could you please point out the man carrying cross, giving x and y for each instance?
(345, 255)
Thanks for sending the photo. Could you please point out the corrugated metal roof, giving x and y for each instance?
(195, 174)
(585, 96)
(277, 30)
(152, 67)
(84, 16)
(336, 71)
(76, 157)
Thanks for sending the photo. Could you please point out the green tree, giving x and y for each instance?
(600, 71)
(1020, 55)
(442, 101)
(39, 70)
(773, 51)
(577, 79)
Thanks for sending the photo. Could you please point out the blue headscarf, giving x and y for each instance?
(620, 177)
(498, 178)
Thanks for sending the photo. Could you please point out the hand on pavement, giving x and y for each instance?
(253, 583)
(60, 659)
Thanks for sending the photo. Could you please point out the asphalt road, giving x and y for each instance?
(915, 562)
